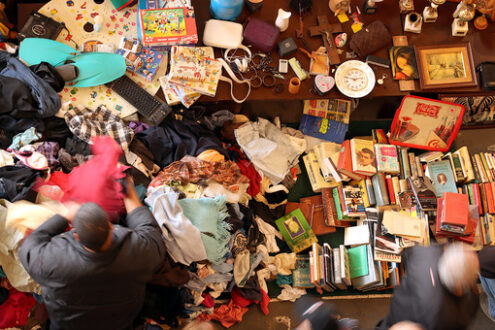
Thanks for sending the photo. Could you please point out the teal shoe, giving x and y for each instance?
(91, 69)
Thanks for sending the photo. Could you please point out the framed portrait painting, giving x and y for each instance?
(446, 66)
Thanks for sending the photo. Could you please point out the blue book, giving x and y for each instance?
(323, 128)
(442, 177)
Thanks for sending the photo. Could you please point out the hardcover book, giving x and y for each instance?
(330, 210)
(301, 275)
(455, 213)
(296, 231)
(442, 177)
(317, 223)
(353, 199)
(358, 261)
(363, 157)
(323, 128)
(386, 158)
(424, 192)
(344, 165)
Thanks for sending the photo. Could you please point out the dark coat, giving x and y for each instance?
(84, 290)
(421, 297)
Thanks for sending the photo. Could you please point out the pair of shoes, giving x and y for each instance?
(80, 69)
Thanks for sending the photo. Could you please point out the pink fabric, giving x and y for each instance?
(95, 180)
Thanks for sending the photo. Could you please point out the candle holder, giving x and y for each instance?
(430, 13)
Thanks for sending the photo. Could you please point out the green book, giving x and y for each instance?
(296, 231)
(336, 200)
(358, 261)
(301, 275)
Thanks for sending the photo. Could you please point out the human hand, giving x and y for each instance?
(131, 201)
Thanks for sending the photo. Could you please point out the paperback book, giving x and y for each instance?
(323, 128)
(442, 177)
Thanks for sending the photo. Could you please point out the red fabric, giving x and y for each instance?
(208, 301)
(240, 300)
(248, 170)
(227, 314)
(95, 180)
(14, 312)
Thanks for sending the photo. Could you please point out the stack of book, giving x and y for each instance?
(384, 198)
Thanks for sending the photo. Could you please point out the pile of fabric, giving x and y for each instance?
(215, 184)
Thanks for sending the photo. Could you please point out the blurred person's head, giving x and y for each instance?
(92, 228)
(458, 268)
(316, 314)
(406, 325)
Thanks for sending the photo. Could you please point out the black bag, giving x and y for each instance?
(487, 75)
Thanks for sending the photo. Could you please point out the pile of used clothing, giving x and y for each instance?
(219, 180)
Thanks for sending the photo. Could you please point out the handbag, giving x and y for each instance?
(487, 75)
(370, 39)
(261, 34)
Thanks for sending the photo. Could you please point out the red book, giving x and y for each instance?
(493, 194)
(472, 226)
(344, 165)
(489, 197)
(455, 210)
(477, 197)
(390, 188)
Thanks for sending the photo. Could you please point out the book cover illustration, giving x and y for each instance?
(442, 177)
(301, 276)
(323, 128)
(386, 158)
(195, 68)
(353, 197)
(168, 26)
(296, 231)
(363, 157)
(403, 62)
(424, 192)
(144, 62)
(175, 94)
(426, 124)
(332, 109)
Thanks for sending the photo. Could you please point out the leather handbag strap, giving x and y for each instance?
(234, 78)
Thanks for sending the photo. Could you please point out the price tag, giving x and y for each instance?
(342, 17)
(356, 27)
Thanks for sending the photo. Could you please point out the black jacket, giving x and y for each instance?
(421, 297)
(84, 290)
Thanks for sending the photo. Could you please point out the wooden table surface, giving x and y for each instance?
(482, 42)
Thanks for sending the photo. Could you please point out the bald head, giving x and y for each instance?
(91, 226)
(458, 268)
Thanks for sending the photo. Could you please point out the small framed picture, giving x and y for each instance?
(446, 66)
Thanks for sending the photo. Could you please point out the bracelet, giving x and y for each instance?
(256, 82)
(269, 83)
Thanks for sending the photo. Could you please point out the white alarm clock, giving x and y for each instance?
(355, 79)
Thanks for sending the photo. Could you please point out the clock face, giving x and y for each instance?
(355, 78)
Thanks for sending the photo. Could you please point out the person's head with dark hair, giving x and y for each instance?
(92, 228)
(366, 157)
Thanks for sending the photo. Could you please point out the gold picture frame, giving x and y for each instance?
(446, 66)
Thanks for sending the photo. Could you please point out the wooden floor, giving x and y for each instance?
(368, 311)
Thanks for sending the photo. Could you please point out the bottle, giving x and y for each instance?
(227, 10)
